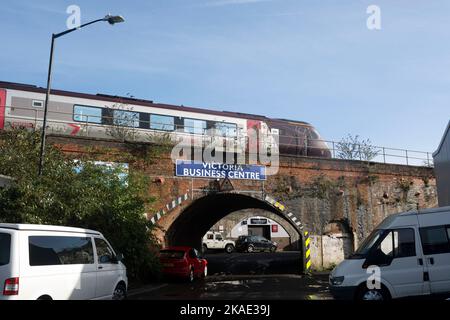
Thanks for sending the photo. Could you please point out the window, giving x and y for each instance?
(171, 254)
(194, 126)
(126, 118)
(104, 252)
(219, 237)
(49, 250)
(38, 103)
(396, 244)
(87, 114)
(404, 243)
(193, 254)
(164, 123)
(210, 237)
(226, 129)
(435, 240)
(370, 241)
(5, 248)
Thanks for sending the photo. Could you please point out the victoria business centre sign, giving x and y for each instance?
(192, 169)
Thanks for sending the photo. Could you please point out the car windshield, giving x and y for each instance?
(5, 248)
(367, 244)
(171, 254)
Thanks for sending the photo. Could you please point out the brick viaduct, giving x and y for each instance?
(310, 194)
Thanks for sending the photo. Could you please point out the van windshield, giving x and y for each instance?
(5, 248)
(367, 244)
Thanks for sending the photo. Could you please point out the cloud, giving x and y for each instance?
(221, 3)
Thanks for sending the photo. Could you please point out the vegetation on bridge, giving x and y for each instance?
(89, 197)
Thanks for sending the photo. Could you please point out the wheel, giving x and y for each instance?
(250, 249)
(204, 249)
(120, 292)
(273, 249)
(191, 276)
(229, 248)
(366, 294)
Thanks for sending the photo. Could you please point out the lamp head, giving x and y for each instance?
(113, 19)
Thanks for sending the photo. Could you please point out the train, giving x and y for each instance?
(109, 116)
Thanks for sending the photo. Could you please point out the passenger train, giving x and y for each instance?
(79, 114)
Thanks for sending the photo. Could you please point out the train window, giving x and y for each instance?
(87, 114)
(126, 118)
(226, 129)
(38, 103)
(194, 126)
(165, 123)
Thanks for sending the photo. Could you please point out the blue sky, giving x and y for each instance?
(308, 60)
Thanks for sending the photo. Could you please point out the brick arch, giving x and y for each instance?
(187, 224)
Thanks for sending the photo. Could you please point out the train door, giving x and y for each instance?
(2, 108)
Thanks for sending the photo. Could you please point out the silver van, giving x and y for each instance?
(408, 254)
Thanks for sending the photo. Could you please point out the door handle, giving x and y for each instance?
(100, 267)
(420, 262)
(431, 261)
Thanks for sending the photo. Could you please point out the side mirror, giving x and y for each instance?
(119, 257)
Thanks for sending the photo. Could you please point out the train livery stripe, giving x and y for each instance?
(2, 108)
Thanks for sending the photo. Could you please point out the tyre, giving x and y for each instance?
(250, 249)
(205, 272)
(229, 248)
(366, 294)
(120, 292)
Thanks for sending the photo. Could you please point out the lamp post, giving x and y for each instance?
(108, 18)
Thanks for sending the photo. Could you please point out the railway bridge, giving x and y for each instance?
(322, 201)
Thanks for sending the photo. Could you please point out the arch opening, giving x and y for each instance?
(201, 215)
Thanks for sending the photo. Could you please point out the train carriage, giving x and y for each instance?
(106, 116)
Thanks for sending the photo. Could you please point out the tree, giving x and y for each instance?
(89, 197)
(353, 148)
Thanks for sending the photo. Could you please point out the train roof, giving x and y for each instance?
(142, 102)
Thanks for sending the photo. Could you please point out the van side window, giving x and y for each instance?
(56, 250)
(210, 236)
(435, 240)
(104, 252)
(404, 244)
(5, 248)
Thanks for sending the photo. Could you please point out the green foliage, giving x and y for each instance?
(94, 198)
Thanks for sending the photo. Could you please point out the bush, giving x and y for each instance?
(90, 197)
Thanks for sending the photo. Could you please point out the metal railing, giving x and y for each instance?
(299, 146)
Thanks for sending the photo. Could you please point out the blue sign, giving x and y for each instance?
(188, 168)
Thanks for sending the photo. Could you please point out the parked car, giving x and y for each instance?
(215, 241)
(40, 262)
(255, 243)
(183, 262)
(410, 252)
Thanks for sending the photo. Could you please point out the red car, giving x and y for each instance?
(184, 262)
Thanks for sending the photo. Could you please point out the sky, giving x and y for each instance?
(308, 60)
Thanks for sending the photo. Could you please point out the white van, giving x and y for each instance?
(40, 262)
(409, 253)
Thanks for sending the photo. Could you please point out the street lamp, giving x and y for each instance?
(108, 18)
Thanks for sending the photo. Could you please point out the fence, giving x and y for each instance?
(300, 145)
